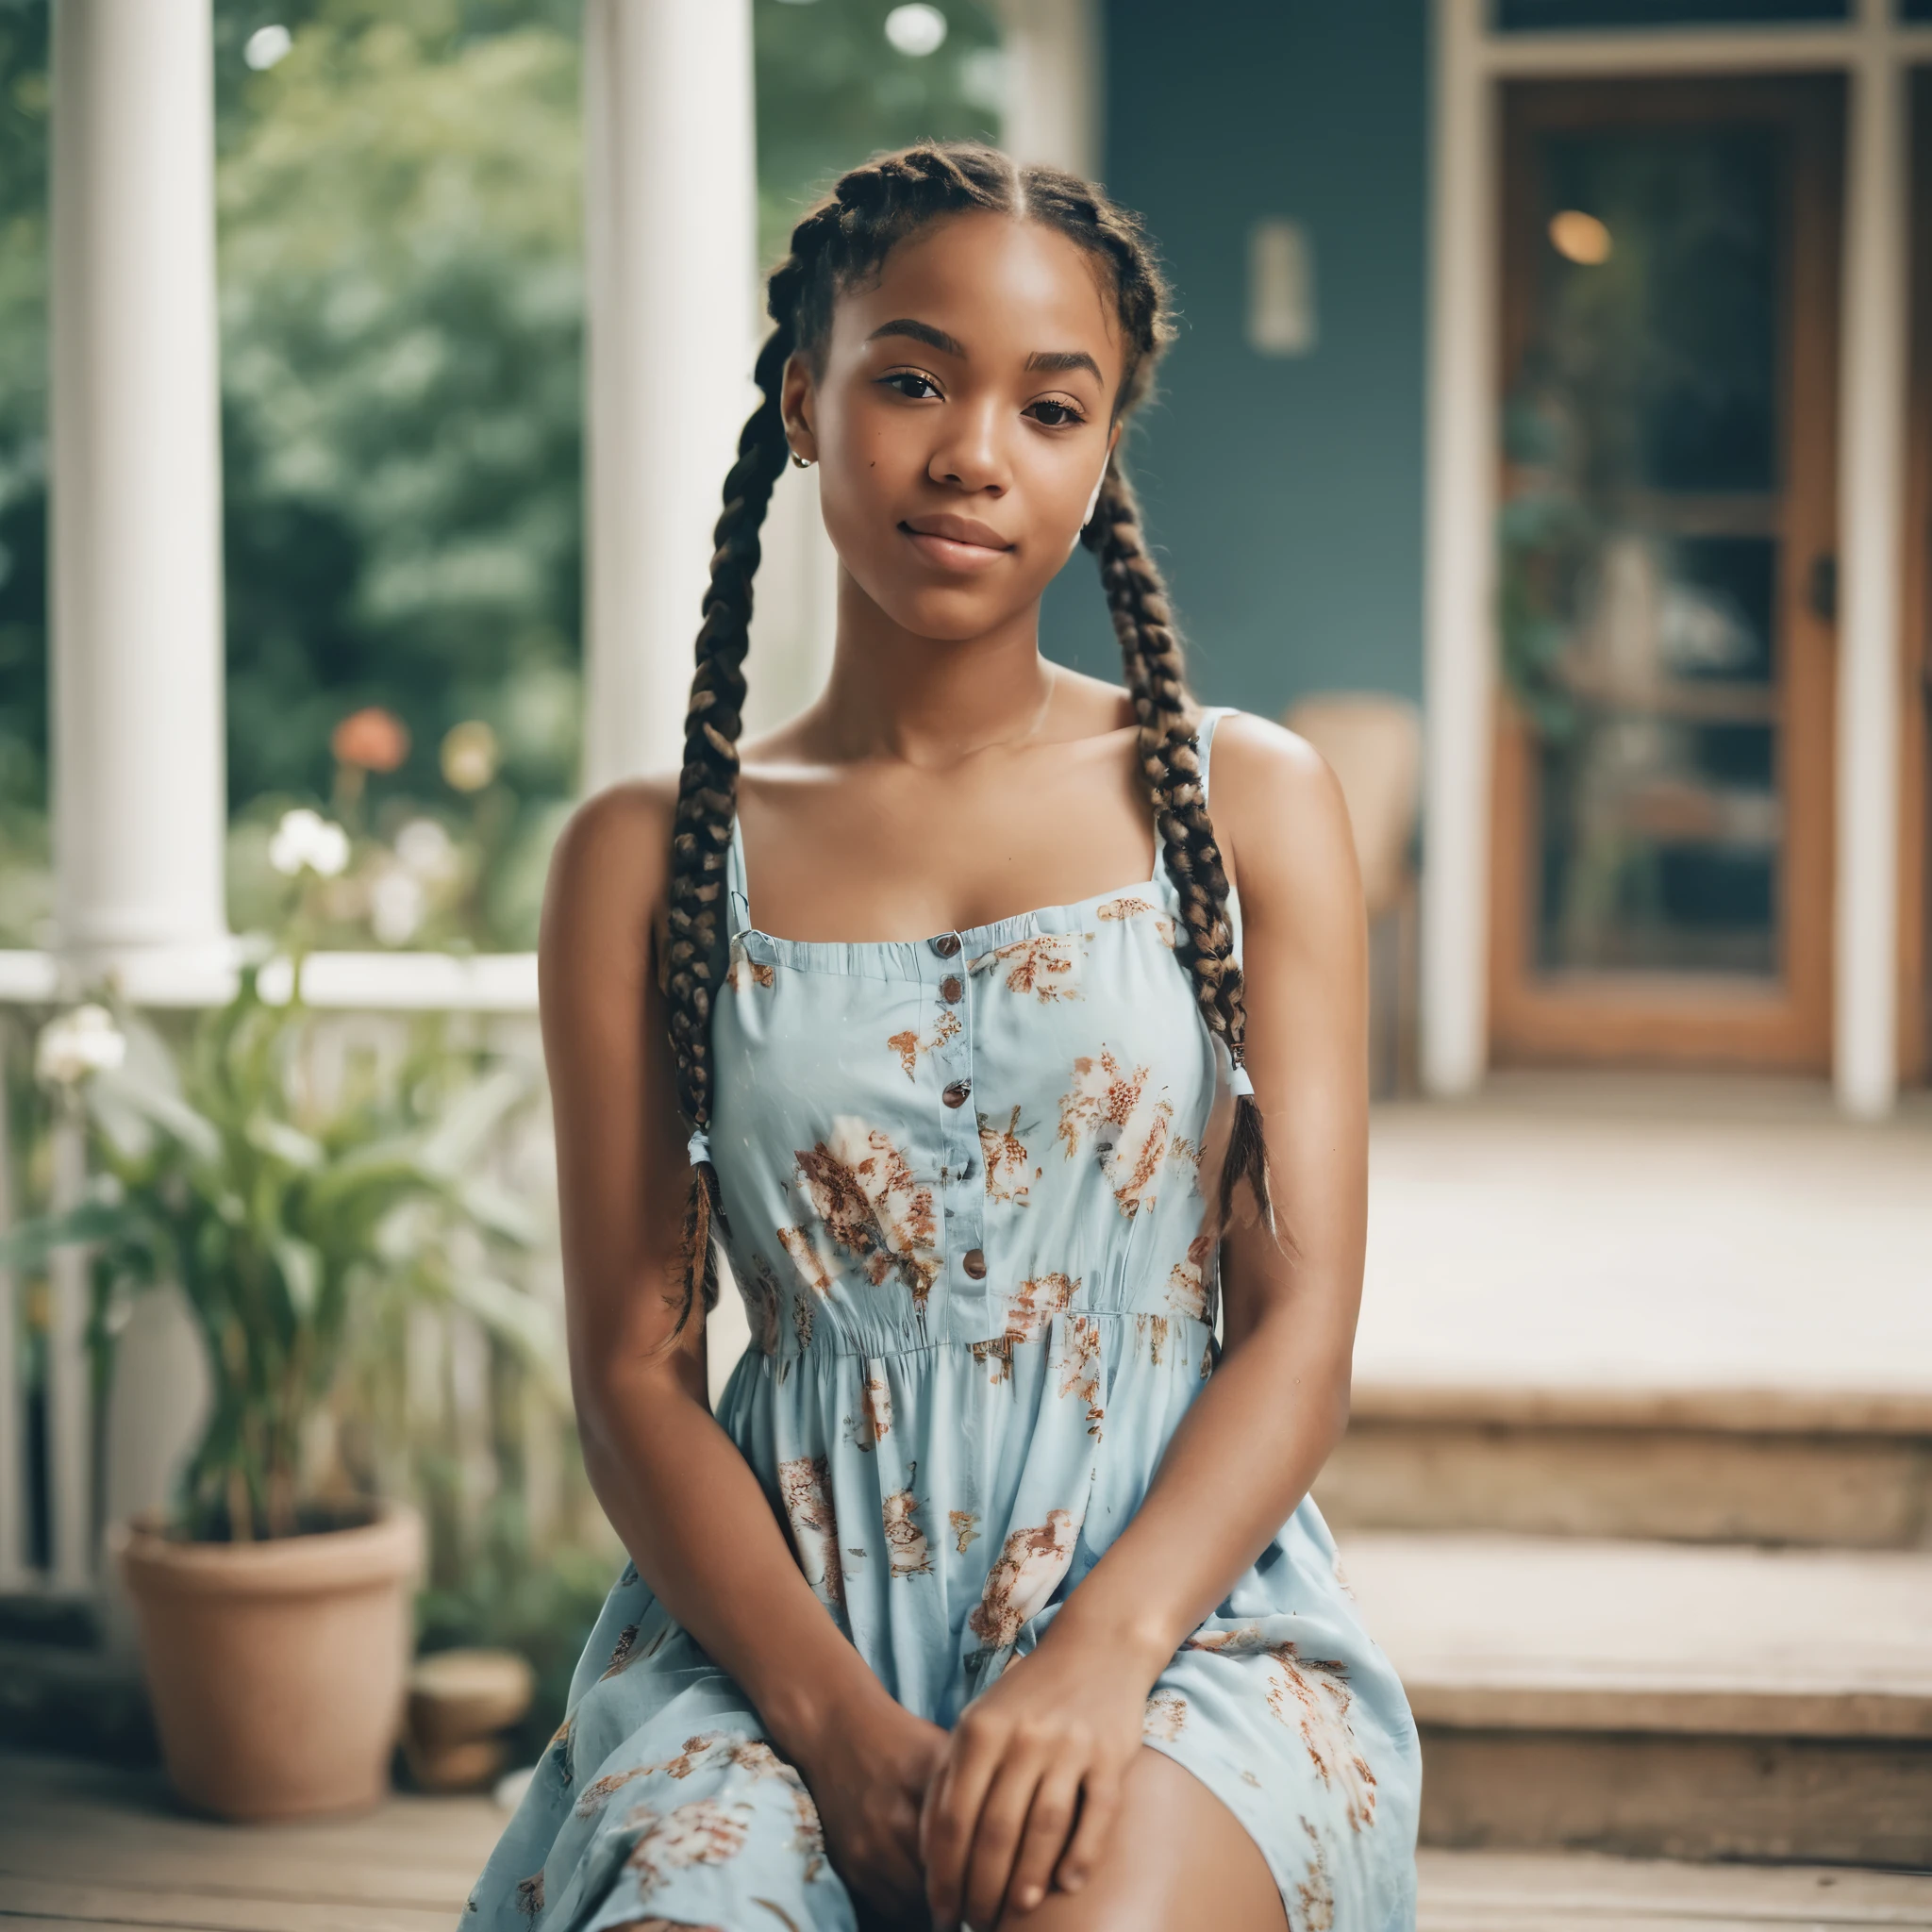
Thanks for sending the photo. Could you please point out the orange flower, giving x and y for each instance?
(372, 738)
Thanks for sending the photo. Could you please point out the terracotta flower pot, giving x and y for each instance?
(276, 1669)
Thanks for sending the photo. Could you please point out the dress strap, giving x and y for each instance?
(1212, 715)
(738, 898)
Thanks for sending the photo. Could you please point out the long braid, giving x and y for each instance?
(1170, 760)
(839, 242)
(708, 801)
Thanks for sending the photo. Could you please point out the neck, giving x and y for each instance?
(932, 701)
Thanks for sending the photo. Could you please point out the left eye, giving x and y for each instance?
(1055, 415)
(910, 383)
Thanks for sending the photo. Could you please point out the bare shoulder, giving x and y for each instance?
(1281, 819)
(608, 878)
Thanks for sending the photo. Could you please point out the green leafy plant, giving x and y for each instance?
(293, 1211)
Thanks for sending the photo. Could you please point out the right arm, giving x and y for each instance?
(676, 1488)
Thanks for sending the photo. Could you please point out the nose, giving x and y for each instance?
(971, 454)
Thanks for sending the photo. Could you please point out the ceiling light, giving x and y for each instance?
(1578, 237)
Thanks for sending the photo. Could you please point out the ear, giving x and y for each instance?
(797, 405)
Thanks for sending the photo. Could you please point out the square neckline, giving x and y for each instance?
(991, 931)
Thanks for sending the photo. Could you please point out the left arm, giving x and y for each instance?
(1051, 1741)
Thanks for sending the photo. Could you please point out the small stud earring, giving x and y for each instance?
(799, 462)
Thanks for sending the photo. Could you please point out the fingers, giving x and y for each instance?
(951, 1816)
(1049, 1819)
(996, 1838)
(1100, 1800)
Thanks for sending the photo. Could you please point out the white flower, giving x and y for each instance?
(396, 903)
(305, 838)
(266, 45)
(78, 1042)
(426, 850)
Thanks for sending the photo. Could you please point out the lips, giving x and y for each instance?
(955, 544)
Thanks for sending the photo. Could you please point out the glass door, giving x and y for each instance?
(1665, 578)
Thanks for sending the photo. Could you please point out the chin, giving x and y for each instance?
(946, 615)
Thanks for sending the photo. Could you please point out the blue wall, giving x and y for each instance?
(1285, 495)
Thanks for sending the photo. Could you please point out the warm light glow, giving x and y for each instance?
(1578, 237)
(916, 30)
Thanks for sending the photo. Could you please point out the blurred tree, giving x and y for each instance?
(399, 200)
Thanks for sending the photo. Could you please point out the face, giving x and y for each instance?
(961, 420)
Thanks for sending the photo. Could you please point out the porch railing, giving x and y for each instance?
(53, 1499)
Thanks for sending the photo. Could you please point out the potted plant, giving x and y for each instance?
(274, 1600)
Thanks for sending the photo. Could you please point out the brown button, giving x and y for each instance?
(946, 944)
(954, 1096)
(973, 1262)
(950, 987)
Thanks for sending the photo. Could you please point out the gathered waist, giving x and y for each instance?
(1160, 1338)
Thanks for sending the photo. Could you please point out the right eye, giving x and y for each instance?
(912, 383)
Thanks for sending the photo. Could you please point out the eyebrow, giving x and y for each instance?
(1051, 361)
(920, 332)
(1061, 361)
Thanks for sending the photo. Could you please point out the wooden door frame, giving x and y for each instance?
(1693, 1019)
(1915, 659)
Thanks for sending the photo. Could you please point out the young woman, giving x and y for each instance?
(990, 1595)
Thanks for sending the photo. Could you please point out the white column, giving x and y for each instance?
(1872, 472)
(13, 1420)
(1459, 642)
(1054, 83)
(670, 213)
(139, 770)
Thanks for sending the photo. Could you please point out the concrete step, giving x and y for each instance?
(1588, 1892)
(1659, 1700)
(1811, 1467)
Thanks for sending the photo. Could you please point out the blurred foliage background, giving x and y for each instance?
(399, 198)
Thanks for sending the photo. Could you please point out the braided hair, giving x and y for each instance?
(835, 245)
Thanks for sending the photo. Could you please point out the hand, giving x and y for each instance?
(1027, 1789)
(867, 1772)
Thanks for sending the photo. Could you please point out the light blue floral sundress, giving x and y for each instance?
(965, 1183)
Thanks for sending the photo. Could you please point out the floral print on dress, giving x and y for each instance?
(530, 1894)
(1311, 1697)
(1009, 1169)
(1036, 1301)
(1080, 1367)
(871, 1205)
(747, 972)
(813, 1269)
(873, 1421)
(995, 1356)
(1315, 1894)
(965, 1527)
(1139, 908)
(907, 1548)
(1187, 1284)
(1041, 965)
(1129, 1121)
(1167, 1714)
(908, 1046)
(701, 1832)
(805, 1485)
(1031, 1563)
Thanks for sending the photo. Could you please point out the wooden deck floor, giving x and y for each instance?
(85, 1846)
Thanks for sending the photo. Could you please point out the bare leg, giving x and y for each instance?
(1178, 1861)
